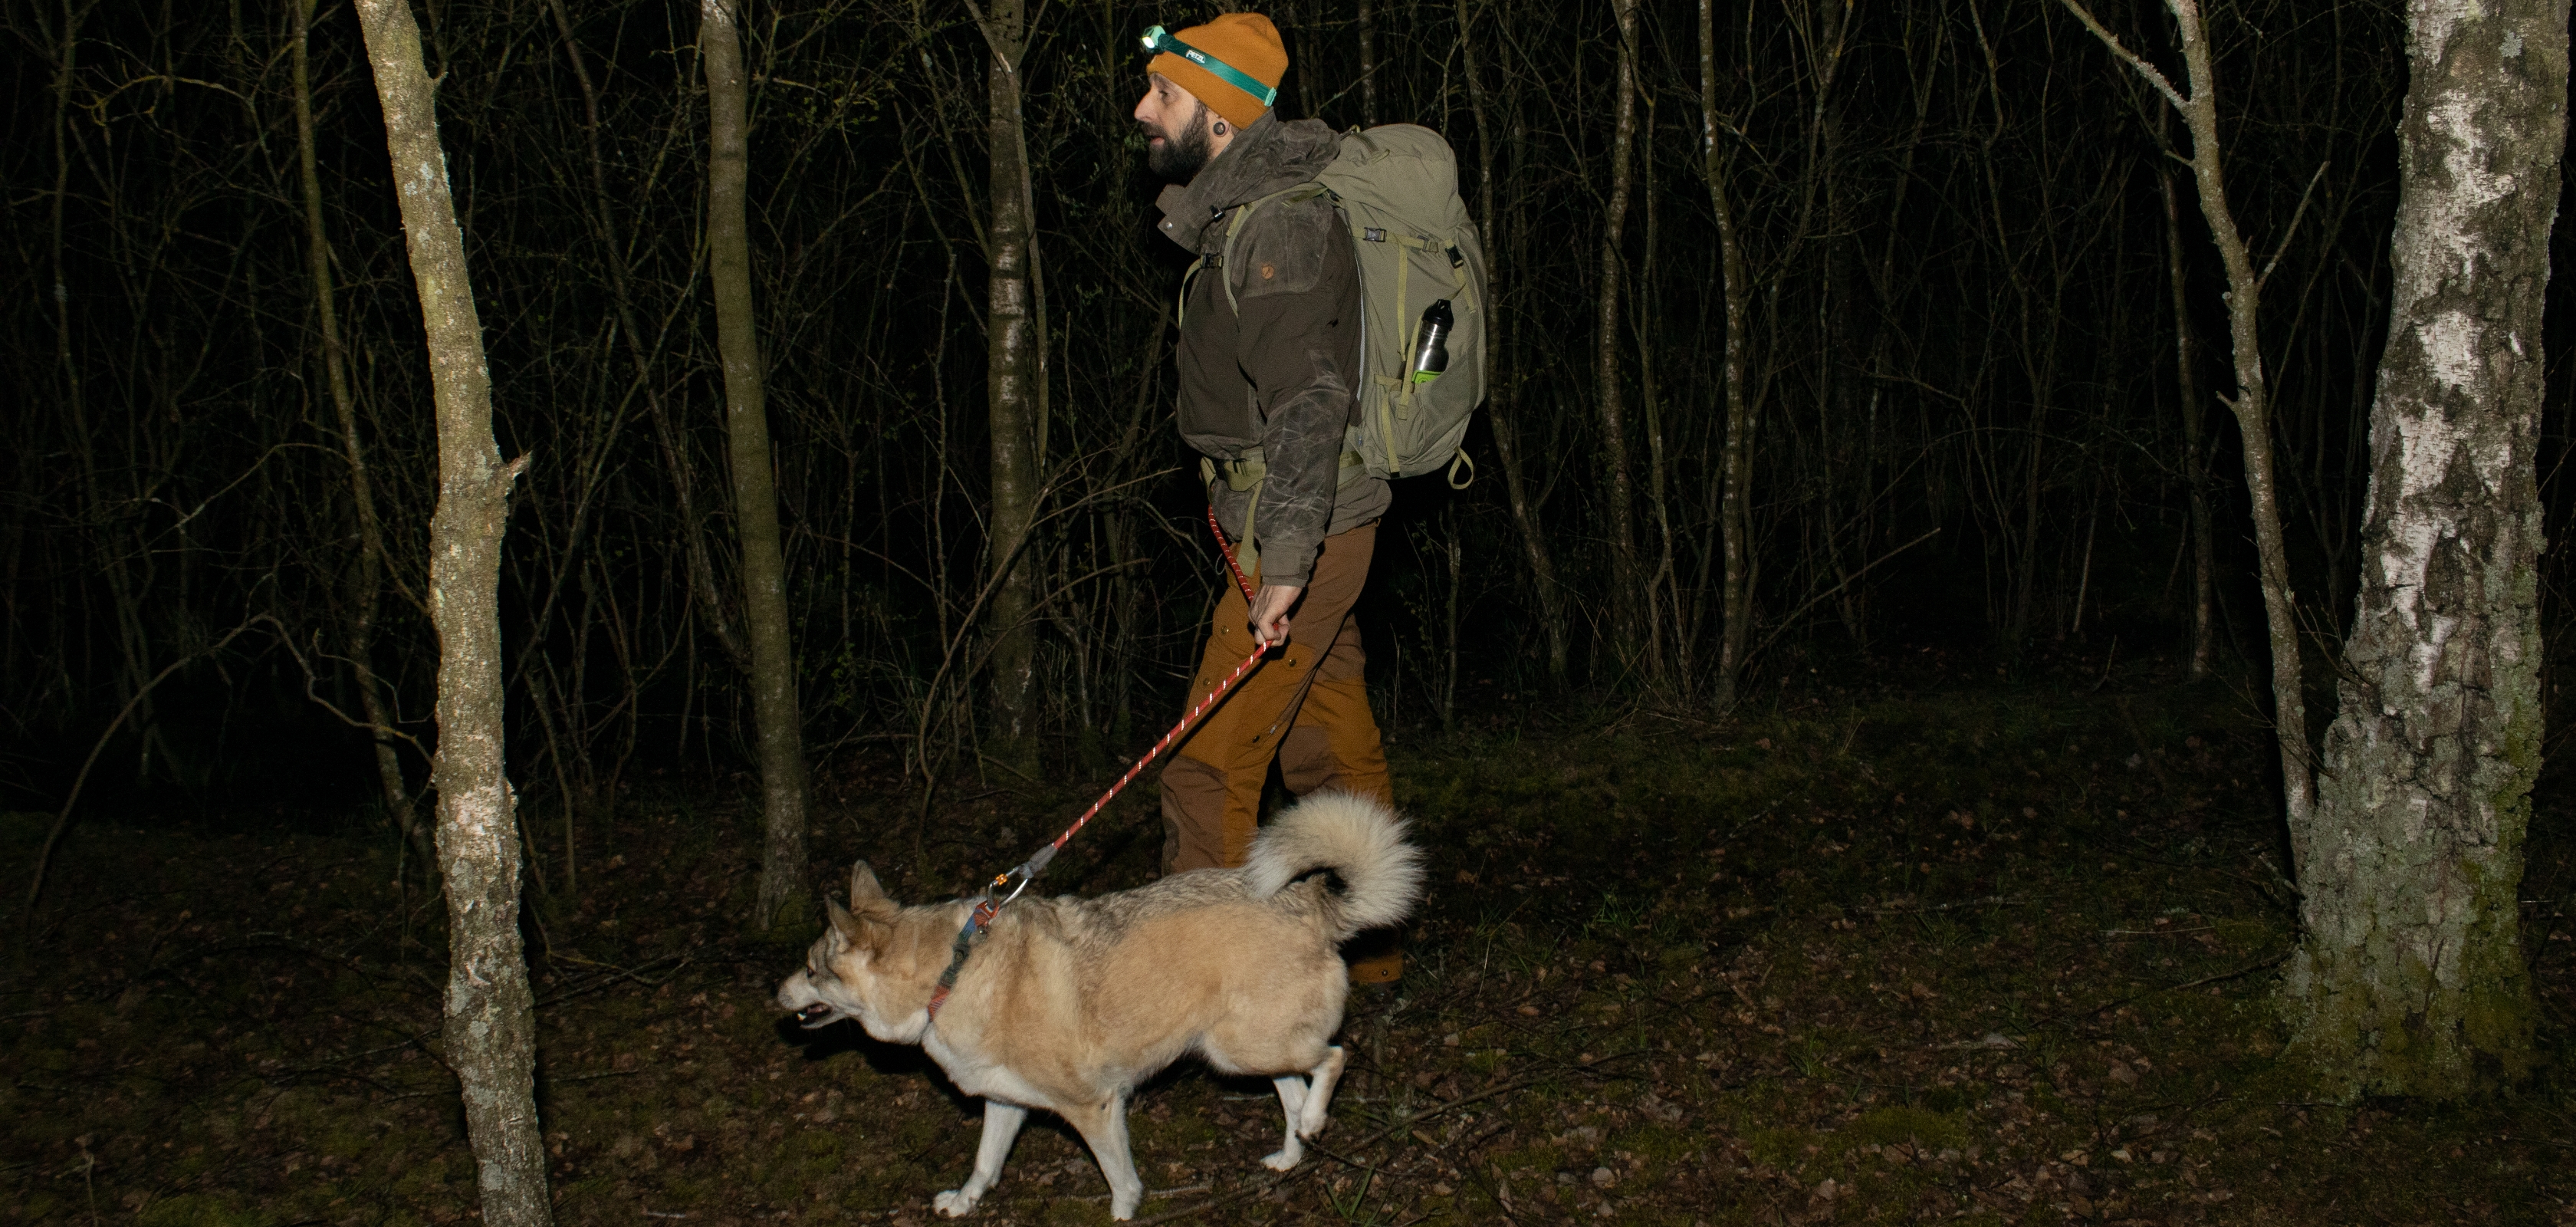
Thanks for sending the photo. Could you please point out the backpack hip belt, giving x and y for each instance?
(1245, 472)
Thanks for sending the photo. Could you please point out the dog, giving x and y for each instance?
(1068, 1004)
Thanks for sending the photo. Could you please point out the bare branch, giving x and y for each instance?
(2293, 231)
(2154, 76)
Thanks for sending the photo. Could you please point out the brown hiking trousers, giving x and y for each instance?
(1307, 705)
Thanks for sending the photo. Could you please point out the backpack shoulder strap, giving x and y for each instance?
(1234, 230)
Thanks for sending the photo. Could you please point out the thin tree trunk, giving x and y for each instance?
(755, 495)
(2195, 463)
(1457, 582)
(132, 641)
(2409, 977)
(1735, 463)
(366, 587)
(1010, 398)
(491, 1017)
(1502, 404)
(1668, 659)
(703, 589)
(1626, 608)
(2252, 403)
(2253, 409)
(1368, 64)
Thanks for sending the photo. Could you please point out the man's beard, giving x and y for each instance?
(1182, 154)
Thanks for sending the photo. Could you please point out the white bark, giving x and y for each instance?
(2409, 979)
(491, 1017)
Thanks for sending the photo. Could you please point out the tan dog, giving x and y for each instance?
(1067, 1004)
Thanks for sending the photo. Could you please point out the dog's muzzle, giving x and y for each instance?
(814, 1015)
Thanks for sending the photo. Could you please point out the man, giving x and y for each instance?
(1267, 384)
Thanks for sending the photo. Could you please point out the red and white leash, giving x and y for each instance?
(1028, 870)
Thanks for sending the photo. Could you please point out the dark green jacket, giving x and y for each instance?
(1283, 373)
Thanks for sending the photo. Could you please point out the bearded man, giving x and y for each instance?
(1269, 370)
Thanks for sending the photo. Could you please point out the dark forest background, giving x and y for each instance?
(1969, 433)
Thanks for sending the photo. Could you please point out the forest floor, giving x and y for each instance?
(1949, 950)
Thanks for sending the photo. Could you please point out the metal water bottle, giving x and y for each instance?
(1431, 342)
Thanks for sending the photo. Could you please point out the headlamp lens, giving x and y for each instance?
(1153, 39)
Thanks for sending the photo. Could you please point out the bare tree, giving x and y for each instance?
(2195, 463)
(1502, 400)
(1368, 64)
(2409, 977)
(1734, 471)
(1015, 391)
(367, 579)
(755, 493)
(1628, 608)
(2252, 402)
(491, 1017)
(708, 594)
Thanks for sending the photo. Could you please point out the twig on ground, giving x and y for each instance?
(2247, 970)
(616, 974)
(1987, 901)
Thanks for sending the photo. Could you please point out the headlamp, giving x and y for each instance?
(1159, 40)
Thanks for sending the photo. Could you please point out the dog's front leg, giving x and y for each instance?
(1001, 1125)
(1104, 1126)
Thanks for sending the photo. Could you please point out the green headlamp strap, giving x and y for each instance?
(1157, 39)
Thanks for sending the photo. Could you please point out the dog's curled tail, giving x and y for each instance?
(1358, 838)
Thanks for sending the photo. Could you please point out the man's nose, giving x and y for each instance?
(1139, 113)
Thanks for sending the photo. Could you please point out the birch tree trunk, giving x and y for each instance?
(367, 582)
(755, 494)
(1012, 395)
(2409, 978)
(491, 1032)
(1626, 605)
(1735, 458)
(2252, 403)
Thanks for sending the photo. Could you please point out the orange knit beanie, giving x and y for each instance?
(1246, 41)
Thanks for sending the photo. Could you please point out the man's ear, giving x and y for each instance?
(868, 900)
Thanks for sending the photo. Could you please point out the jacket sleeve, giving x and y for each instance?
(1298, 343)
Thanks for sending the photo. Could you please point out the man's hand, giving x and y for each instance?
(1270, 609)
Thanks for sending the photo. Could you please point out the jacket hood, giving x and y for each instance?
(1271, 155)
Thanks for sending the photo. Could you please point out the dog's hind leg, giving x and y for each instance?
(1001, 1125)
(1292, 1101)
(1104, 1126)
(1319, 1093)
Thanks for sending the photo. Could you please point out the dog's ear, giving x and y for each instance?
(867, 899)
(844, 925)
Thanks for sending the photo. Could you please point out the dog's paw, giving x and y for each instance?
(1283, 1160)
(953, 1204)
